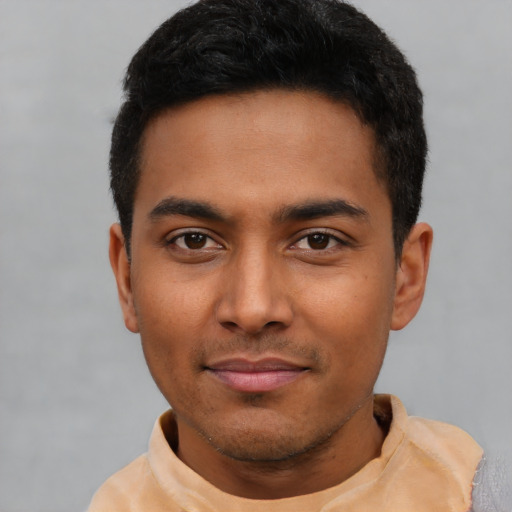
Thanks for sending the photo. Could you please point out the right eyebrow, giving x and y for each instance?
(186, 207)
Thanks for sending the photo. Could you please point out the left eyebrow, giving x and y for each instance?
(317, 209)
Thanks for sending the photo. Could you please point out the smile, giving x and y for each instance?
(255, 377)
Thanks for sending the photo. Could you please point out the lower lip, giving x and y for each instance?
(257, 382)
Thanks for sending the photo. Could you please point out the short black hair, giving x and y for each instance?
(233, 46)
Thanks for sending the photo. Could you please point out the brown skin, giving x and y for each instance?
(258, 285)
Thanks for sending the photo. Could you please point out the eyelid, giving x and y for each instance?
(339, 237)
(179, 233)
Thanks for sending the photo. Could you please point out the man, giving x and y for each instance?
(267, 167)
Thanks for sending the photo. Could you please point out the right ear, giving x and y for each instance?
(121, 267)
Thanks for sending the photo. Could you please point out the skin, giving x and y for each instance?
(261, 233)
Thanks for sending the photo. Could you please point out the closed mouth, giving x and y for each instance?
(255, 376)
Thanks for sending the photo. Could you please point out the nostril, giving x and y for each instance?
(251, 329)
(244, 310)
(230, 325)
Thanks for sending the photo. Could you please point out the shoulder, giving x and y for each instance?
(439, 442)
(444, 442)
(428, 463)
(136, 486)
(117, 493)
(432, 444)
(448, 455)
(492, 486)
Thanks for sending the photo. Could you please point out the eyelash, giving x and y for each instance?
(329, 239)
(207, 238)
(322, 237)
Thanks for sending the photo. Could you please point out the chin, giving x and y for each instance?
(267, 444)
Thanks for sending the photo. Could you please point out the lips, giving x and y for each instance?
(255, 376)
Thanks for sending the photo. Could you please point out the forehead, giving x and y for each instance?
(264, 147)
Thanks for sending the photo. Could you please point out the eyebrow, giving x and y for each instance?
(303, 211)
(186, 207)
(316, 209)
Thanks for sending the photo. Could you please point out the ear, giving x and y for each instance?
(121, 267)
(411, 275)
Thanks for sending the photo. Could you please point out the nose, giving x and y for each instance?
(254, 296)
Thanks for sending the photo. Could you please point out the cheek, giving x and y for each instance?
(172, 320)
(169, 307)
(350, 301)
(351, 317)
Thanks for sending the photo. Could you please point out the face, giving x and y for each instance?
(263, 279)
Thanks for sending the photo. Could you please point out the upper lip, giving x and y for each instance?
(267, 364)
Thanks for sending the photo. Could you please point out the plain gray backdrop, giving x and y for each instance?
(76, 400)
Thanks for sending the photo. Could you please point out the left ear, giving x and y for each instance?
(411, 275)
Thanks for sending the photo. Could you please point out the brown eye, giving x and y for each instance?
(194, 241)
(318, 241)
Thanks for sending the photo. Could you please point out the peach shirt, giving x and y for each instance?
(424, 466)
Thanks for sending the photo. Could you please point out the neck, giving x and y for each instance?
(349, 449)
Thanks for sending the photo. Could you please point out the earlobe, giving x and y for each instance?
(121, 268)
(411, 275)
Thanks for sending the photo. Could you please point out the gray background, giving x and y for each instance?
(76, 401)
